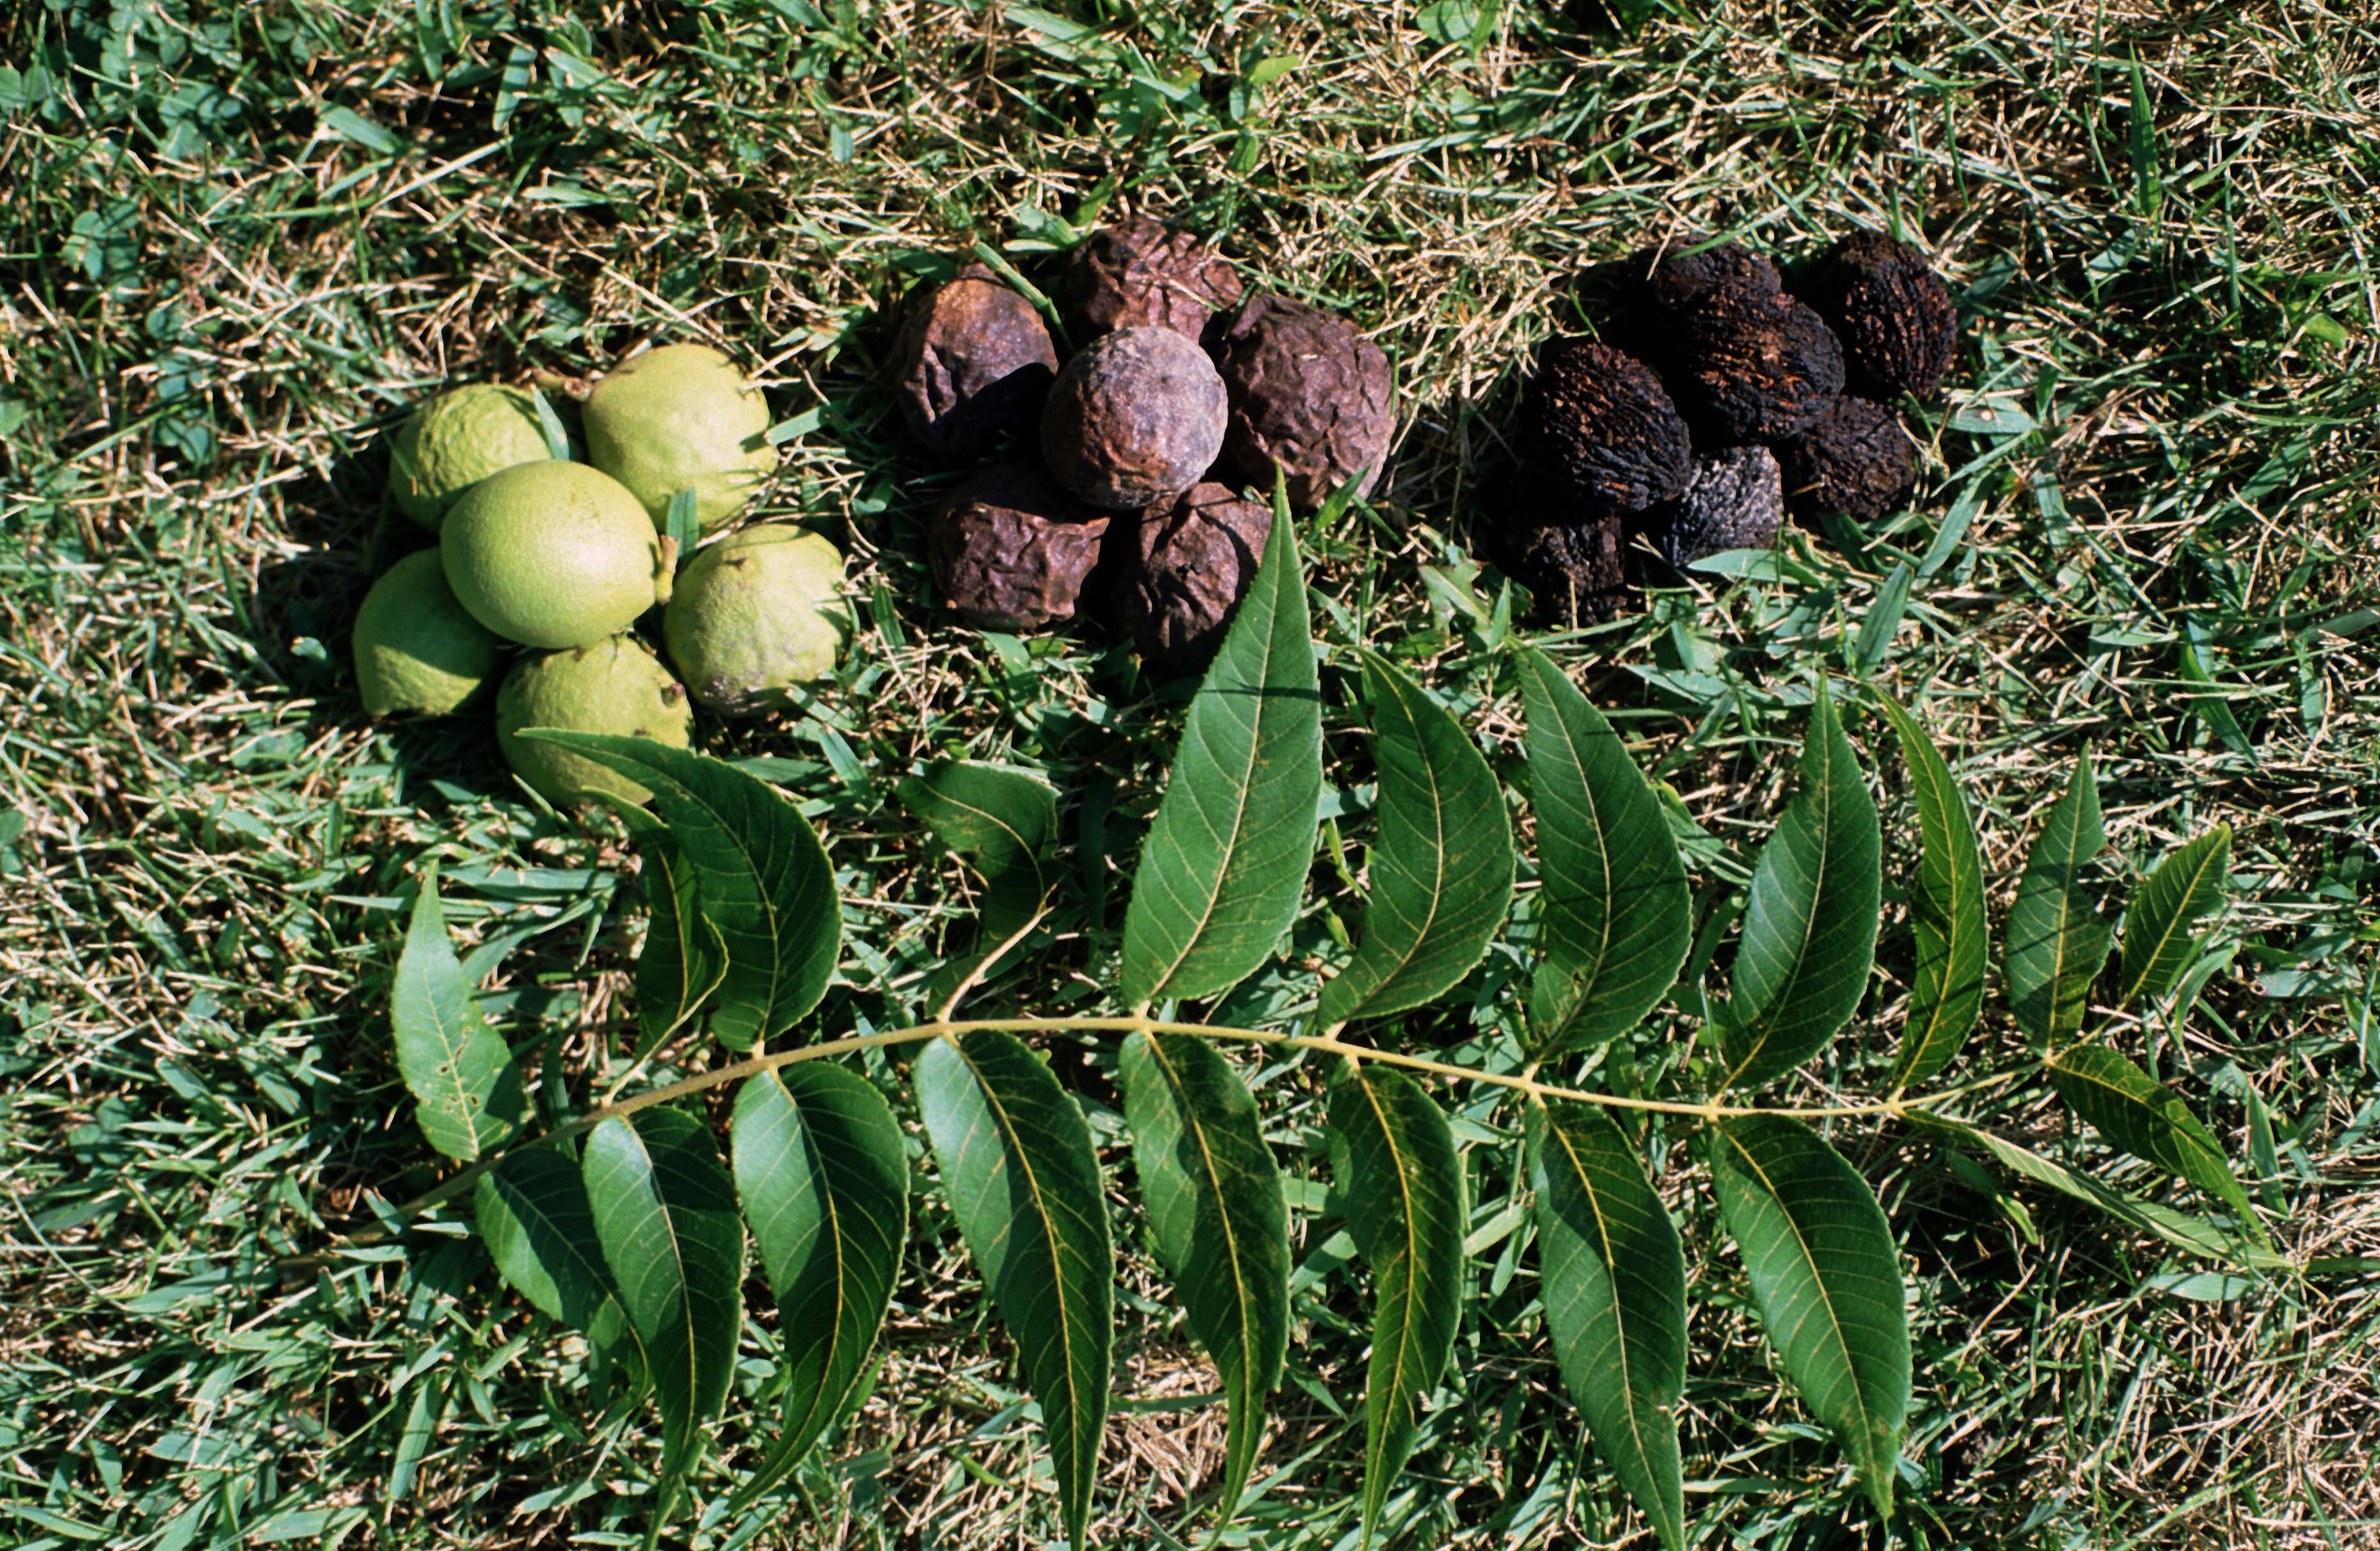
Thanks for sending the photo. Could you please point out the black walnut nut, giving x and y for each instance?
(1855, 460)
(1891, 311)
(1012, 550)
(1674, 277)
(1602, 431)
(1191, 564)
(975, 363)
(1141, 272)
(1756, 367)
(1136, 415)
(1736, 501)
(1571, 568)
(1311, 397)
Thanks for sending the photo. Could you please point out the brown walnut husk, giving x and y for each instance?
(1141, 272)
(1753, 368)
(1136, 415)
(1012, 550)
(1191, 564)
(1736, 501)
(975, 363)
(1891, 311)
(1603, 432)
(1855, 460)
(1311, 397)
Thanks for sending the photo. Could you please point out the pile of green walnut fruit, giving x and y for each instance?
(564, 558)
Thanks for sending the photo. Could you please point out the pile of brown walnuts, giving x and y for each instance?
(1116, 489)
(1729, 398)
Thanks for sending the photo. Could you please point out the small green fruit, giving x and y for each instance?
(416, 648)
(754, 613)
(553, 554)
(682, 417)
(455, 441)
(612, 687)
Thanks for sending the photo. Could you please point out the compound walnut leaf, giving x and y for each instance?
(2158, 943)
(467, 1090)
(1946, 993)
(2056, 944)
(2147, 1120)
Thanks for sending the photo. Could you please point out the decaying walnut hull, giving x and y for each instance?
(1012, 550)
(1311, 397)
(1191, 564)
(975, 363)
(1141, 272)
(1134, 417)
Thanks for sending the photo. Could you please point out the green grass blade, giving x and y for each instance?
(1614, 909)
(2147, 1120)
(684, 959)
(763, 878)
(1441, 870)
(1614, 1285)
(467, 1091)
(1219, 1222)
(1809, 930)
(1946, 992)
(1024, 1183)
(1403, 1194)
(2158, 926)
(665, 1213)
(1221, 875)
(824, 1178)
(2056, 944)
(1826, 1279)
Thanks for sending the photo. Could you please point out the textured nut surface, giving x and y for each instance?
(1192, 561)
(1675, 278)
(1310, 397)
(1756, 368)
(1603, 430)
(1735, 502)
(1136, 415)
(1141, 272)
(1855, 460)
(1571, 568)
(1891, 311)
(975, 363)
(615, 686)
(1012, 549)
(754, 614)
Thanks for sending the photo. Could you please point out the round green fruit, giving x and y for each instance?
(553, 554)
(754, 613)
(455, 441)
(416, 648)
(612, 687)
(682, 417)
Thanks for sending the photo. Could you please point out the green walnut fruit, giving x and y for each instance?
(682, 417)
(455, 441)
(416, 648)
(756, 613)
(553, 554)
(612, 687)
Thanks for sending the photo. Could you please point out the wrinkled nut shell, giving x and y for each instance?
(1144, 274)
(1572, 569)
(1855, 460)
(1191, 563)
(1735, 502)
(1310, 397)
(1757, 369)
(1892, 313)
(1135, 417)
(1603, 430)
(1674, 278)
(1012, 550)
(975, 362)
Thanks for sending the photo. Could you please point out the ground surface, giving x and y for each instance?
(240, 240)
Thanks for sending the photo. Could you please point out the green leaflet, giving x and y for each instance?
(665, 1214)
(2157, 941)
(1826, 1279)
(1225, 862)
(467, 1091)
(1402, 1187)
(533, 1212)
(1003, 823)
(2147, 1120)
(1614, 1283)
(764, 879)
(824, 1179)
(1219, 1222)
(2057, 943)
(1025, 1188)
(1809, 928)
(684, 957)
(1441, 870)
(1946, 992)
(1614, 909)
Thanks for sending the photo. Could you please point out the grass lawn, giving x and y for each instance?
(239, 241)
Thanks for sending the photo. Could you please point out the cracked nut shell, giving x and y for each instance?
(975, 363)
(1191, 564)
(1311, 397)
(1136, 415)
(1603, 430)
(1141, 272)
(1735, 501)
(1012, 550)
(1855, 460)
(1674, 278)
(1756, 368)
(1891, 311)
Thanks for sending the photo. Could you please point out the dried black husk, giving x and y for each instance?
(1857, 460)
(1681, 275)
(1891, 311)
(1755, 369)
(975, 363)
